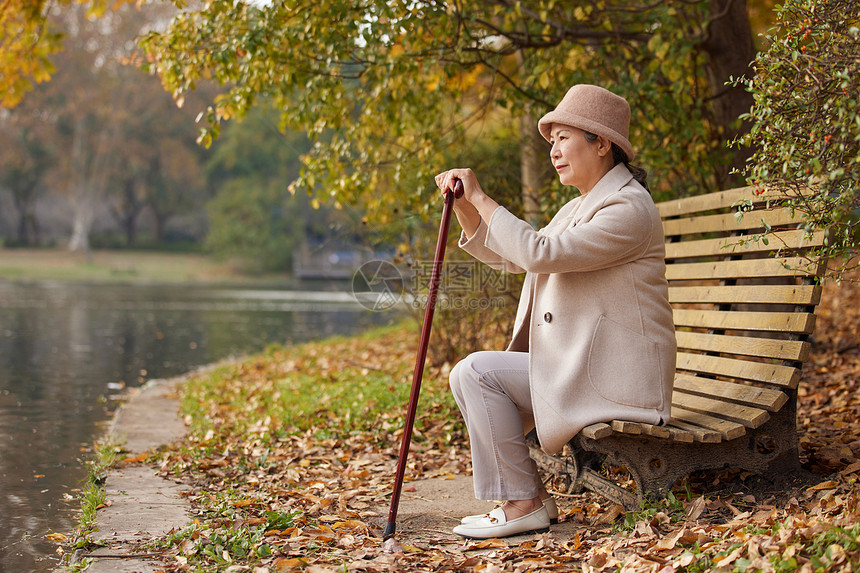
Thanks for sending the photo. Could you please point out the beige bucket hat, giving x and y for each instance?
(595, 109)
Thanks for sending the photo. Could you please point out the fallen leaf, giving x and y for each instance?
(668, 543)
(135, 459)
(830, 484)
(391, 545)
(284, 564)
(696, 508)
(725, 560)
(489, 544)
(609, 515)
(853, 468)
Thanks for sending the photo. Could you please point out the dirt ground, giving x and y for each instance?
(429, 509)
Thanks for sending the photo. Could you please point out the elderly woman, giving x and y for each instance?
(593, 338)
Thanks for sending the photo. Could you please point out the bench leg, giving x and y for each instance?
(575, 468)
(655, 464)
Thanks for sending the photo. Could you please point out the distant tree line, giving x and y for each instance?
(387, 93)
(102, 156)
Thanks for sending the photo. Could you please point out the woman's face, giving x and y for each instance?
(577, 161)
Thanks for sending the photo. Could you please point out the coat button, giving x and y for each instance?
(547, 317)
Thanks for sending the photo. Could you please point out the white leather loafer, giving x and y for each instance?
(548, 503)
(495, 524)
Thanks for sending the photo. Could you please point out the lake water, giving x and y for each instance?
(65, 349)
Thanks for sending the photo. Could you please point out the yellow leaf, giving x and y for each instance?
(490, 544)
(57, 537)
(543, 80)
(830, 484)
(283, 564)
(349, 524)
(242, 503)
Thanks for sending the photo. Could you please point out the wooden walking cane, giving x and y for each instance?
(423, 341)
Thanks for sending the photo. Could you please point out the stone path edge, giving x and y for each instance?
(142, 505)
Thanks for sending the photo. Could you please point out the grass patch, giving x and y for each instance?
(93, 497)
(333, 387)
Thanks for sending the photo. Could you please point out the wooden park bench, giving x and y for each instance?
(743, 319)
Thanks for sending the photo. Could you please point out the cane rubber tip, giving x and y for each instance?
(390, 527)
(458, 189)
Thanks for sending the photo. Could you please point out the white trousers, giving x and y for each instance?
(492, 390)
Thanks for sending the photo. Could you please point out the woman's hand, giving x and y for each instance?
(471, 188)
(474, 205)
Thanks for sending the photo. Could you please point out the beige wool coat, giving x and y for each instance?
(594, 313)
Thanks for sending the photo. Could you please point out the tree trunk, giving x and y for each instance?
(160, 220)
(130, 232)
(23, 239)
(28, 228)
(24, 188)
(81, 225)
(90, 160)
(23, 199)
(130, 208)
(534, 173)
(729, 47)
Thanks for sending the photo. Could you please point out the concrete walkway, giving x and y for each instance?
(143, 505)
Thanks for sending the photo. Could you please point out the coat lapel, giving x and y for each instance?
(617, 177)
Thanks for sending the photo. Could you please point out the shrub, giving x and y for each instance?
(806, 123)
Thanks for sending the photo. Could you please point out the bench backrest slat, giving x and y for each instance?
(775, 348)
(704, 203)
(729, 222)
(717, 201)
(769, 267)
(742, 244)
(747, 294)
(787, 322)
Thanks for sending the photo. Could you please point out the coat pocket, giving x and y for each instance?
(624, 366)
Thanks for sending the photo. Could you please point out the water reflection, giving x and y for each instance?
(62, 349)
